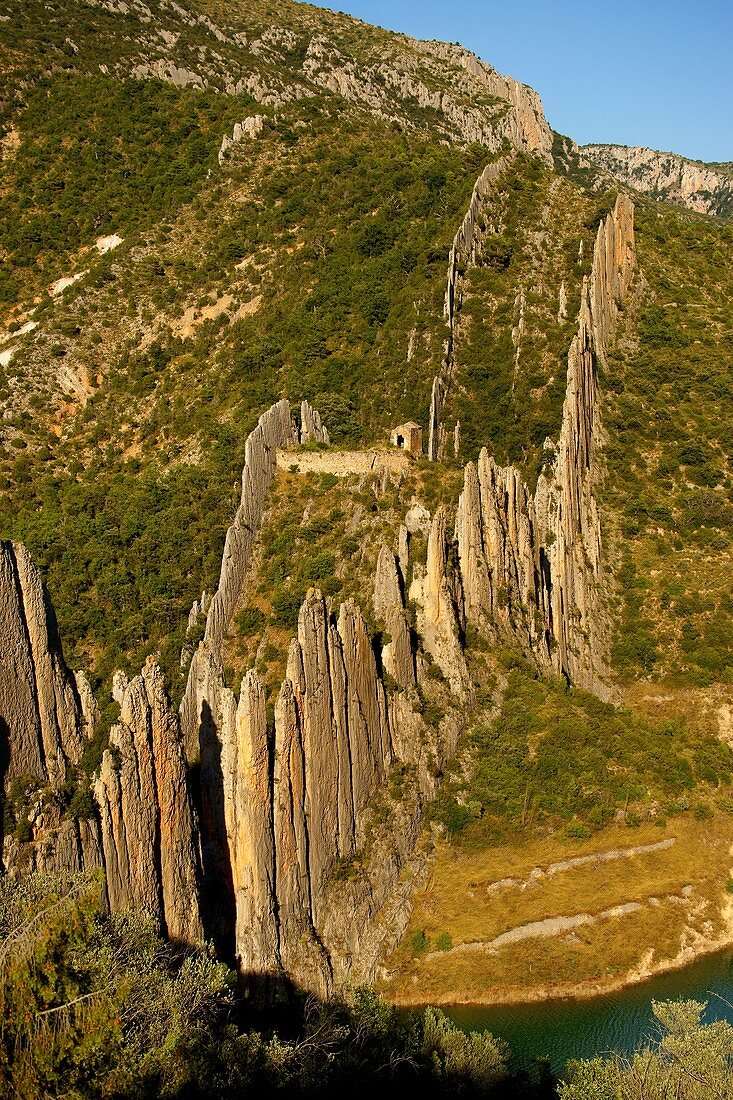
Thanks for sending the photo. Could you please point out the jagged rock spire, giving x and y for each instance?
(149, 835)
(533, 565)
(40, 708)
(464, 251)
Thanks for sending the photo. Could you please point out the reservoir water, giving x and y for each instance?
(564, 1029)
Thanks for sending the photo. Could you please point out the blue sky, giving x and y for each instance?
(654, 72)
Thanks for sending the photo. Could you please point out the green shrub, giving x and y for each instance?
(286, 601)
(418, 942)
(249, 621)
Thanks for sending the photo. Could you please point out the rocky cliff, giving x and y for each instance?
(288, 849)
(297, 877)
(666, 176)
(533, 565)
(284, 53)
(524, 125)
(40, 705)
(45, 715)
(483, 106)
(464, 252)
(149, 834)
(275, 429)
(145, 834)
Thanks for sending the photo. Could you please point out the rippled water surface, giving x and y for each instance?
(559, 1030)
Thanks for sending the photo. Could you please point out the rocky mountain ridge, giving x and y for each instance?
(666, 176)
(348, 676)
(279, 54)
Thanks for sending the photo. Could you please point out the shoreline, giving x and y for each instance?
(578, 991)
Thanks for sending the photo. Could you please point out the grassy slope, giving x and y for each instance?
(690, 904)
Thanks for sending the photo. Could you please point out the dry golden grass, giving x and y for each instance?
(703, 710)
(456, 902)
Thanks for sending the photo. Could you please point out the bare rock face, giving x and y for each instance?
(283, 810)
(274, 430)
(499, 553)
(533, 567)
(148, 831)
(40, 709)
(293, 807)
(464, 252)
(312, 430)
(249, 129)
(164, 69)
(391, 88)
(397, 656)
(667, 176)
(417, 519)
(60, 844)
(437, 598)
(525, 126)
(246, 762)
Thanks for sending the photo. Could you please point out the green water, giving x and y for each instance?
(563, 1029)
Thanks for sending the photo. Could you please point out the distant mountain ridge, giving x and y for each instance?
(706, 188)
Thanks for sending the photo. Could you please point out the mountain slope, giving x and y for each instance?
(706, 188)
(260, 204)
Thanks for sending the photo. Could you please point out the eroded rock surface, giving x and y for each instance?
(667, 176)
(274, 429)
(533, 565)
(149, 834)
(40, 708)
(464, 252)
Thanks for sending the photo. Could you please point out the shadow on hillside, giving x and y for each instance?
(360, 1046)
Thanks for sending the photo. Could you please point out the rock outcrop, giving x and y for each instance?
(438, 596)
(397, 652)
(312, 429)
(524, 125)
(666, 176)
(165, 69)
(40, 709)
(286, 809)
(274, 430)
(149, 834)
(464, 253)
(533, 566)
(249, 129)
(147, 842)
(46, 713)
(286, 806)
(396, 85)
